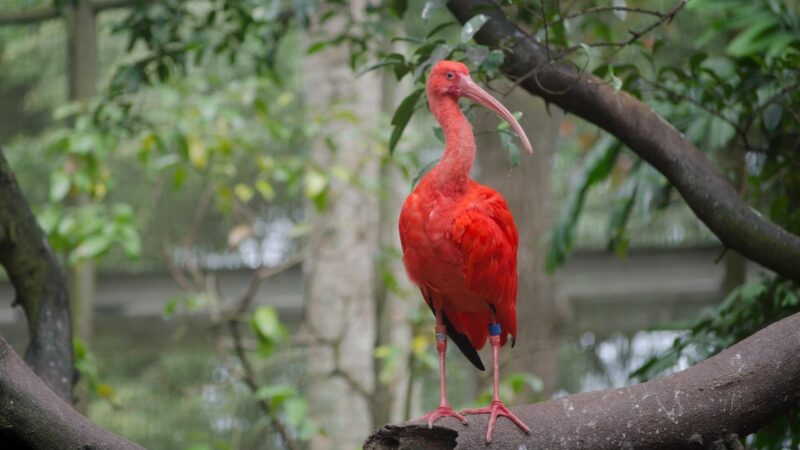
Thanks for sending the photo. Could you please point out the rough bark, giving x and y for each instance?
(731, 394)
(635, 124)
(33, 416)
(39, 285)
(340, 318)
(528, 193)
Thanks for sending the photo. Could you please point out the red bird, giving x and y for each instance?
(460, 243)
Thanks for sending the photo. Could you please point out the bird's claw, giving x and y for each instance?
(495, 410)
(438, 413)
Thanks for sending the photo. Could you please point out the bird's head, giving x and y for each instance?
(451, 79)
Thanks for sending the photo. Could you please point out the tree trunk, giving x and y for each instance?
(82, 81)
(34, 417)
(340, 270)
(39, 286)
(82, 85)
(528, 193)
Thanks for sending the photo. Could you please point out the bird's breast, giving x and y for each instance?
(430, 257)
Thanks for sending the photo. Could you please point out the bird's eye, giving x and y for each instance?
(449, 75)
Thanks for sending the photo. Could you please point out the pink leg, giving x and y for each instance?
(444, 409)
(497, 408)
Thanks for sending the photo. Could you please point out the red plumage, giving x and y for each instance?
(460, 242)
(462, 248)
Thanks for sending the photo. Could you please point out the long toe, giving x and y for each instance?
(495, 410)
(438, 413)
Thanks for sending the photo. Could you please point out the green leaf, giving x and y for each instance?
(620, 213)
(390, 60)
(315, 183)
(130, 241)
(170, 307)
(753, 39)
(296, 410)
(91, 247)
(772, 116)
(439, 133)
(402, 115)
(243, 192)
(59, 186)
(430, 7)
(439, 28)
(616, 82)
(697, 60)
(597, 166)
(276, 394)
(492, 62)
(267, 324)
(512, 151)
(472, 26)
(265, 189)
(317, 47)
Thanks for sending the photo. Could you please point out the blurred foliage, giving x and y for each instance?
(724, 72)
(86, 366)
(515, 387)
(746, 310)
(177, 394)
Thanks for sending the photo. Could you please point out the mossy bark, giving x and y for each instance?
(39, 284)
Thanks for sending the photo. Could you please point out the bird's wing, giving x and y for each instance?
(485, 234)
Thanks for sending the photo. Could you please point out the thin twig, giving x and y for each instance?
(600, 9)
(634, 35)
(694, 102)
(248, 376)
(758, 109)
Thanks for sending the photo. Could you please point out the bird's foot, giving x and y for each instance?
(496, 409)
(438, 413)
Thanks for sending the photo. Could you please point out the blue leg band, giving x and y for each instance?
(494, 329)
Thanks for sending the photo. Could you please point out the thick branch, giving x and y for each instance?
(39, 285)
(731, 394)
(34, 417)
(635, 124)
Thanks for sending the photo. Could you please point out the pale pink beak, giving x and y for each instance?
(472, 91)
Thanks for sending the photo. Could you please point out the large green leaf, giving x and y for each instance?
(598, 165)
(472, 26)
(620, 213)
(267, 324)
(402, 115)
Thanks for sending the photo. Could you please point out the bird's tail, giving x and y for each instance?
(462, 340)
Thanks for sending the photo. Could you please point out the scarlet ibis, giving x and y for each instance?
(460, 243)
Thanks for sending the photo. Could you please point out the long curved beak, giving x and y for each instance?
(475, 93)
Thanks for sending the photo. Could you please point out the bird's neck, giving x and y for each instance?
(452, 172)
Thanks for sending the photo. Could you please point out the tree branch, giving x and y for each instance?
(39, 285)
(32, 416)
(706, 406)
(635, 124)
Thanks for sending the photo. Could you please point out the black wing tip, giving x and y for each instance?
(463, 344)
(475, 359)
(462, 341)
